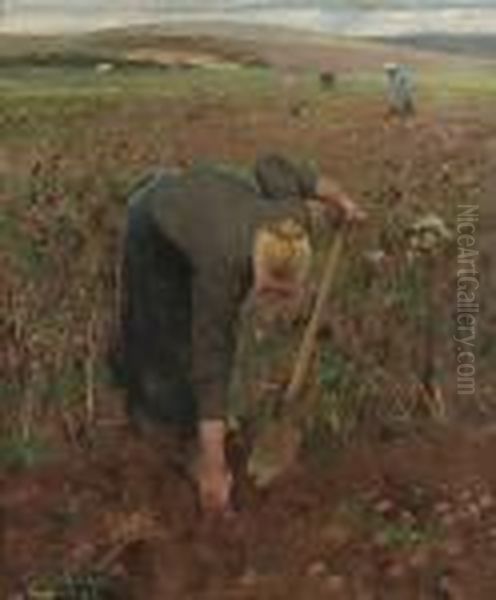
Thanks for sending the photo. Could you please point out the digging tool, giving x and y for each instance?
(278, 445)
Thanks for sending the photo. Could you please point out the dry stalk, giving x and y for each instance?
(90, 368)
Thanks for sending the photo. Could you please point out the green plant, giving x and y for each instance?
(333, 368)
(401, 535)
(82, 586)
(19, 453)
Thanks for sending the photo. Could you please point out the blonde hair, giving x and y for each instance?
(282, 249)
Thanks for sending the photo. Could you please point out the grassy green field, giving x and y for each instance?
(24, 78)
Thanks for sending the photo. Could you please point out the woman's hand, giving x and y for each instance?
(352, 213)
(214, 487)
(213, 476)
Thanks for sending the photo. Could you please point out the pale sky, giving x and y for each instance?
(391, 17)
(226, 4)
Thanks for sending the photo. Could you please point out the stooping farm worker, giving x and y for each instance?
(194, 247)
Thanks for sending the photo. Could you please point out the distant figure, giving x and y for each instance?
(400, 90)
(327, 80)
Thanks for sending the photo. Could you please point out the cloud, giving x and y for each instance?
(348, 17)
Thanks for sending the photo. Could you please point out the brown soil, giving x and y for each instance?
(405, 520)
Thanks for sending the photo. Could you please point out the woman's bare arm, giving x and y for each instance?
(331, 194)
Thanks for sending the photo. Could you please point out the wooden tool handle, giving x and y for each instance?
(308, 343)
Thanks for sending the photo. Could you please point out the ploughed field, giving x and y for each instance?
(394, 496)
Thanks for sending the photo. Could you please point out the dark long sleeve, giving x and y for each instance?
(213, 340)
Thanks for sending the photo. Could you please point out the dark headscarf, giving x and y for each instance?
(278, 178)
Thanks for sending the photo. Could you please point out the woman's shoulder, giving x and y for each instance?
(227, 174)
